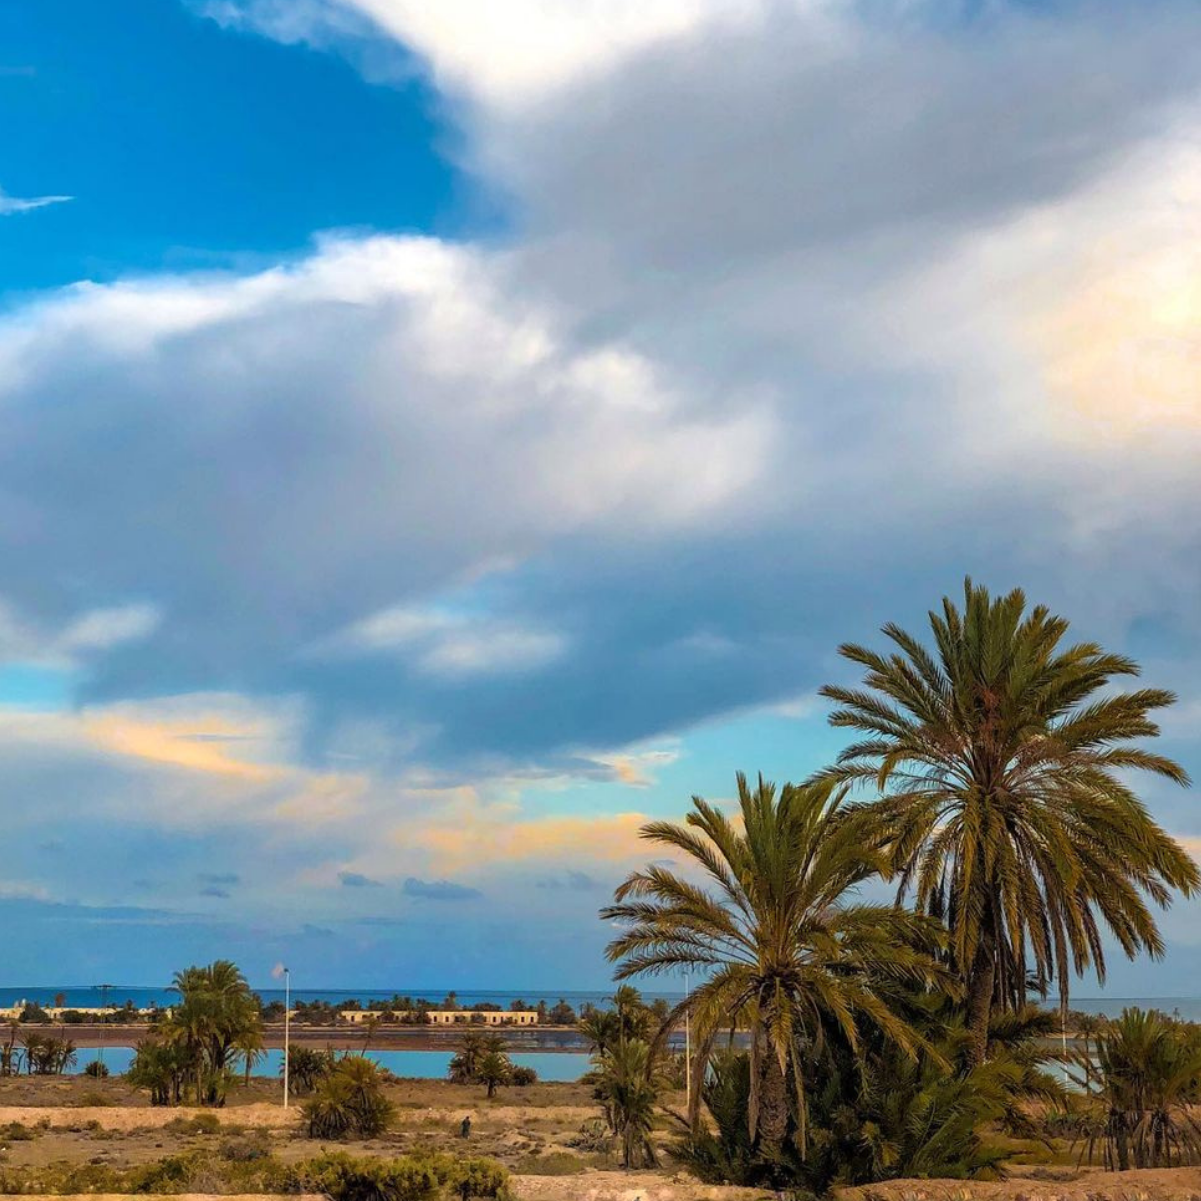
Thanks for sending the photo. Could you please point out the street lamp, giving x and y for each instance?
(104, 989)
(287, 1027)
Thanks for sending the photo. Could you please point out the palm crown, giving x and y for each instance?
(1000, 758)
(782, 952)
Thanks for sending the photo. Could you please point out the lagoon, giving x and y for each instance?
(559, 1067)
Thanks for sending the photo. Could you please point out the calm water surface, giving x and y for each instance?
(419, 1065)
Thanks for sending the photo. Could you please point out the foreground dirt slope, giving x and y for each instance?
(1053, 1184)
(625, 1186)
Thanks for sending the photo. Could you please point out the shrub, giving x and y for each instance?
(341, 1178)
(478, 1177)
(349, 1102)
(202, 1123)
(17, 1132)
(522, 1077)
(246, 1148)
(553, 1163)
(97, 1069)
(421, 1177)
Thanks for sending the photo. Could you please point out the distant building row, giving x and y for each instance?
(354, 1017)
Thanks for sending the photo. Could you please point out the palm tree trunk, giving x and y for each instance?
(773, 1107)
(980, 986)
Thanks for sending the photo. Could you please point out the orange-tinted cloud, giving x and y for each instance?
(203, 742)
(483, 839)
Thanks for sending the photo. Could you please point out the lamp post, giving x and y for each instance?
(287, 1027)
(103, 1014)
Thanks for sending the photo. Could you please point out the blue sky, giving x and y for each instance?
(438, 438)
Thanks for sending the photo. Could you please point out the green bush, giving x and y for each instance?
(477, 1177)
(421, 1177)
(97, 1069)
(342, 1178)
(522, 1077)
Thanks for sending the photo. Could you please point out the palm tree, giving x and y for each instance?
(1148, 1068)
(494, 1069)
(464, 1065)
(783, 952)
(248, 1043)
(996, 760)
(627, 1082)
(216, 1011)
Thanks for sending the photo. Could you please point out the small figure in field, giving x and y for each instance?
(465, 1127)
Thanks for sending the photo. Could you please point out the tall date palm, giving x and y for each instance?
(1001, 760)
(784, 953)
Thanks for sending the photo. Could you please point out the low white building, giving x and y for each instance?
(457, 1017)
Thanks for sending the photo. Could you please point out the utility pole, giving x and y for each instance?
(104, 990)
(287, 1027)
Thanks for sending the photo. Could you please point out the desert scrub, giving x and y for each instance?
(416, 1177)
(341, 1177)
(202, 1123)
(17, 1132)
(552, 1163)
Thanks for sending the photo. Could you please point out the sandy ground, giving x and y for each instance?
(1047, 1184)
(625, 1186)
(79, 1121)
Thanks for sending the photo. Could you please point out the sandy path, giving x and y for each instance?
(262, 1115)
(116, 1117)
(626, 1186)
(1061, 1184)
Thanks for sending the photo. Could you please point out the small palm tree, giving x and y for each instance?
(493, 1070)
(349, 1102)
(783, 950)
(465, 1064)
(627, 1083)
(249, 1045)
(999, 759)
(1148, 1069)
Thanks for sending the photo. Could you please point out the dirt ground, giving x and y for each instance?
(1045, 1184)
(46, 1121)
(49, 1121)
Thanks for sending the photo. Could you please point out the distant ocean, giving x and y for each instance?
(117, 994)
(87, 996)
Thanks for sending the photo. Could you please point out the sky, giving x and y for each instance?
(439, 438)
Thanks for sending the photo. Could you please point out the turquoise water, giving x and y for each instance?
(419, 1065)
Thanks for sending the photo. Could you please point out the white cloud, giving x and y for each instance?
(103, 629)
(444, 642)
(92, 633)
(508, 54)
(16, 204)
